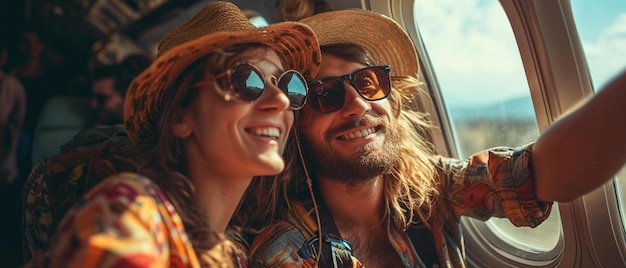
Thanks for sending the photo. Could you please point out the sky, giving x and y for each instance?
(602, 28)
(473, 51)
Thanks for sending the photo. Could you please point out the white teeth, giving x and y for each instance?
(266, 132)
(358, 134)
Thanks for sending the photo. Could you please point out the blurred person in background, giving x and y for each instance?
(12, 110)
(42, 72)
(109, 85)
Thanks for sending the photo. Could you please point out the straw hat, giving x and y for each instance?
(216, 26)
(378, 34)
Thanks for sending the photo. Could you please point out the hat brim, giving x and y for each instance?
(378, 34)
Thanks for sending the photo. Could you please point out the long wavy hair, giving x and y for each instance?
(163, 160)
(410, 186)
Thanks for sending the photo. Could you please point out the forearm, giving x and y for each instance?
(584, 149)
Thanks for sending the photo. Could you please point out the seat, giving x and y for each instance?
(60, 120)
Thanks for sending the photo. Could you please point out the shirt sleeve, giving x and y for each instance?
(117, 224)
(494, 183)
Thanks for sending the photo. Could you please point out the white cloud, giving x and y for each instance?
(473, 51)
(472, 48)
(607, 54)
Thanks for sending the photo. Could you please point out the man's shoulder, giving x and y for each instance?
(273, 238)
(277, 244)
(11, 87)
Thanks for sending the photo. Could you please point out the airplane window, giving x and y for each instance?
(604, 42)
(480, 76)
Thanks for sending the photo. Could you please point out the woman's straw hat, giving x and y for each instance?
(216, 26)
(378, 34)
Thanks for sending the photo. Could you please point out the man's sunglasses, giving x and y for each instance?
(246, 83)
(328, 94)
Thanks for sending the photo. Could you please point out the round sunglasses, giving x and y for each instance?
(245, 82)
(328, 94)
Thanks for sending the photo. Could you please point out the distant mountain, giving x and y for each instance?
(520, 107)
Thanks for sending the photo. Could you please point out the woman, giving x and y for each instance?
(211, 112)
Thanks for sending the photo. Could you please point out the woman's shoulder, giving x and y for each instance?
(129, 178)
(129, 190)
(131, 181)
(125, 214)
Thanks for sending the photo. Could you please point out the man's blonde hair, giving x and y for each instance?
(411, 186)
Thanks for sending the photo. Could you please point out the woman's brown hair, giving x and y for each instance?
(163, 160)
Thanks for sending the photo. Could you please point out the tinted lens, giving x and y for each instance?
(247, 83)
(372, 83)
(326, 95)
(292, 84)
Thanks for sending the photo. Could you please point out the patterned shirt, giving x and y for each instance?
(493, 183)
(127, 221)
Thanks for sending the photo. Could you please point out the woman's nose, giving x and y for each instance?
(273, 97)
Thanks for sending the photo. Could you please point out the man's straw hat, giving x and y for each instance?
(216, 26)
(378, 34)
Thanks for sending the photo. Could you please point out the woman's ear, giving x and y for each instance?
(181, 128)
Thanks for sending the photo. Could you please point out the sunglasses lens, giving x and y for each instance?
(372, 83)
(292, 84)
(247, 83)
(326, 95)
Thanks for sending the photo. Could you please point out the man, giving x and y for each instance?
(381, 195)
(109, 85)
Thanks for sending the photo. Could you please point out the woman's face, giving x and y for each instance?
(226, 138)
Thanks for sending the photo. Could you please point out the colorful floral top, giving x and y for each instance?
(127, 221)
(493, 183)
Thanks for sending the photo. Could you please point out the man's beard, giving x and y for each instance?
(364, 165)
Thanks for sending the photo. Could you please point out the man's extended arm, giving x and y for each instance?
(585, 148)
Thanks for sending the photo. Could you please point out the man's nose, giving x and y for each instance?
(354, 105)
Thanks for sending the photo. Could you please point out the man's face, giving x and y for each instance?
(107, 102)
(355, 143)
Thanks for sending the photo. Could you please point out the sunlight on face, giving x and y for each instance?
(229, 137)
(355, 142)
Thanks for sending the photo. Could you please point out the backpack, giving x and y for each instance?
(55, 184)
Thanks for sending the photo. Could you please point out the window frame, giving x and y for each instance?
(558, 78)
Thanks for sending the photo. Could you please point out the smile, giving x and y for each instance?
(270, 132)
(358, 134)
